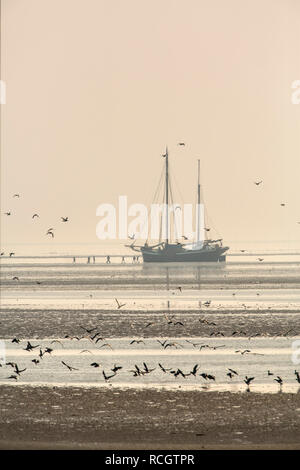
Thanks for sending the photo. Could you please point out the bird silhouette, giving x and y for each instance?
(194, 370)
(107, 377)
(29, 346)
(69, 367)
(279, 380)
(88, 330)
(116, 368)
(243, 352)
(35, 215)
(257, 183)
(248, 380)
(146, 368)
(138, 341)
(106, 344)
(163, 368)
(119, 305)
(17, 370)
(64, 219)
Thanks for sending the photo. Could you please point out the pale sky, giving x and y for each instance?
(97, 88)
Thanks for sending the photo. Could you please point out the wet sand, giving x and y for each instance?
(53, 323)
(116, 418)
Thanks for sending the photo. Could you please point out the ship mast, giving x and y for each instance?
(167, 196)
(198, 204)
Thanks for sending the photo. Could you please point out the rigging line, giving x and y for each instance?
(210, 220)
(156, 194)
(173, 213)
(177, 187)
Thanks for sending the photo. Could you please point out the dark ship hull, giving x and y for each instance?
(175, 253)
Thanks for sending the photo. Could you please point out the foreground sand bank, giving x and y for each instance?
(115, 418)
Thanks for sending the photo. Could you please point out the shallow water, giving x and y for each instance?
(261, 301)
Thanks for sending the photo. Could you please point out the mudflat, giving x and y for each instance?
(110, 417)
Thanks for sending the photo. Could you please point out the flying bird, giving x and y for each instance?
(116, 368)
(29, 346)
(119, 305)
(138, 341)
(69, 367)
(181, 143)
(248, 380)
(279, 380)
(18, 371)
(35, 215)
(64, 219)
(16, 195)
(107, 377)
(257, 183)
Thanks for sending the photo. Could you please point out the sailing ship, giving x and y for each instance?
(205, 250)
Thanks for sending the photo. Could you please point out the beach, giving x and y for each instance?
(114, 418)
(134, 362)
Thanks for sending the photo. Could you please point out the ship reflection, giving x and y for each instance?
(177, 274)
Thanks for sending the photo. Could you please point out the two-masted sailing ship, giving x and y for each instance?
(205, 250)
